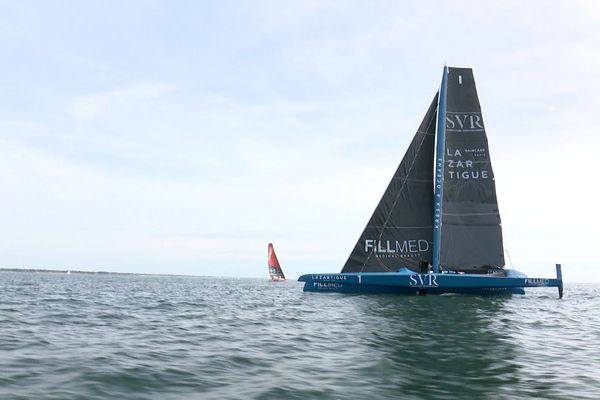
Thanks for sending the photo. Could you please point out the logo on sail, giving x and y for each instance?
(464, 122)
(410, 247)
(460, 168)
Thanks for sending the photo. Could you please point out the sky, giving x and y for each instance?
(182, 137)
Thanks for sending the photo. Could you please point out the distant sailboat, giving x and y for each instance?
(274, 268)
(436, 231)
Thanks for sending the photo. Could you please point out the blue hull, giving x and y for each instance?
(406, 281)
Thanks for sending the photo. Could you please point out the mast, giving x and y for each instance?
(439, 172)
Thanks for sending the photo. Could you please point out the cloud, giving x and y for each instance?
(92, 105)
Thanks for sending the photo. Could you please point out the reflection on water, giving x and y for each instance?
(435, 346)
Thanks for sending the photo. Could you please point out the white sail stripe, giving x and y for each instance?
(463, 112)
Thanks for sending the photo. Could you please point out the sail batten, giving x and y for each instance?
(399, 227)
(416, 180)
(465, 214)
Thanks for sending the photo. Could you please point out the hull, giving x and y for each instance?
(406, 281)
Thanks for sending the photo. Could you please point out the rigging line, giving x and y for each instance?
(509, 259)
(434, 114)
(381, 264)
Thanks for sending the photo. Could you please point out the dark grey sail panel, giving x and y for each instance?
(471, 236)
(399, 233)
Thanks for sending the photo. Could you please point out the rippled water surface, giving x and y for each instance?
(155, 337)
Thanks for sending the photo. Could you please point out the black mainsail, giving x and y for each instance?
(471, 232)
(399, 233)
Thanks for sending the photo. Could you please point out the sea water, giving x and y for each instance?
(82, 336)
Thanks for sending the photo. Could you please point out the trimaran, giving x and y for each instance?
(437, 227)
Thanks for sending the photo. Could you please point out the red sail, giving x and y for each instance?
(274, 268)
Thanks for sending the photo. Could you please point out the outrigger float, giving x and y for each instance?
(436, 233)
